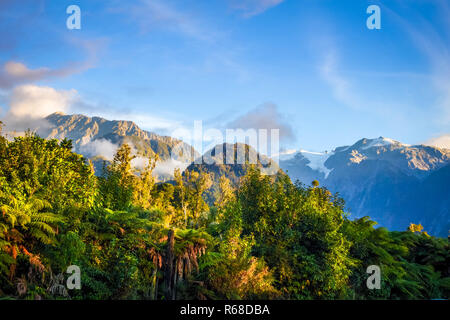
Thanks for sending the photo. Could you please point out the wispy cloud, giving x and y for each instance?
(250, 8)
(13, 73)
(218, 52)
(346, 90)
(430, 38)
(340, 86)
(150, 14)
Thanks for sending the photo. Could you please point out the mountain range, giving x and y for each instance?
(393, 183)
(98, 139)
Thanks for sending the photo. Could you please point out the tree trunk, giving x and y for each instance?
(156, 288)
(169, 274)
(153, 294)
(174, 291)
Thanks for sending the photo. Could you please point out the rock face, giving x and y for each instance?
(98, 139)
(82, 129)
(393, 183)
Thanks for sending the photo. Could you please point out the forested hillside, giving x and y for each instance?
(133, 238)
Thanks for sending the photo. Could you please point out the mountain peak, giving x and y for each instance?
(96, 136)
(58, 113)
(366, 143)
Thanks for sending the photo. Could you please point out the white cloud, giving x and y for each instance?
(139, 163)
(251, 8)
(166, 168)
(37, 102)
(100, 147)
(163, 169)
(440, 142)
(29, 104)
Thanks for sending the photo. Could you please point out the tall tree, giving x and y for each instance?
(119, 182)
(142, 193)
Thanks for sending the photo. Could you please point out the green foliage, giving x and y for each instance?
(298, 233)
(231, 271)
(413, 266)
(117, 183)
(134, 238)
(31, 165)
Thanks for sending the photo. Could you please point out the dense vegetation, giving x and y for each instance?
(136, 239)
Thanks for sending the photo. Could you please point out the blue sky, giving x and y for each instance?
(310, 67)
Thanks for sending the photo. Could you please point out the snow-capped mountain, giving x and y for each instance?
(305, 165)
(382, 178)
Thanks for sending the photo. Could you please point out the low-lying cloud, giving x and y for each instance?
(166, 168)
(106, 150)
(101, 147)
(440, 142)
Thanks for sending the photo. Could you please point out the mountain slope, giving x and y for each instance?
(393, 183)
(98, 138)
(434, 200)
